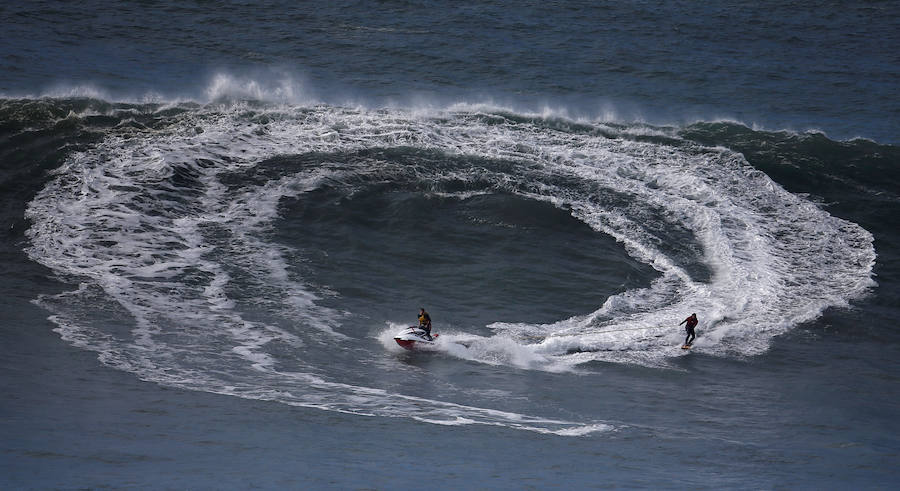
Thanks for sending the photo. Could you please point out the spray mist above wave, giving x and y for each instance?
(169, 228)
(281, 85)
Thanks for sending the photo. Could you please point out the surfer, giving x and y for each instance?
(689, 324)
(425, 323)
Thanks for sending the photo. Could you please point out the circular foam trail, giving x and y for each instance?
(169, 230)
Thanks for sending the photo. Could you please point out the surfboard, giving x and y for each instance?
(687, 346)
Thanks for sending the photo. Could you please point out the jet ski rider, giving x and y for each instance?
(425, 323)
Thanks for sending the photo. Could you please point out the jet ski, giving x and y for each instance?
(413, 337)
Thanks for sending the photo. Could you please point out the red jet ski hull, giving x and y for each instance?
(414, 338)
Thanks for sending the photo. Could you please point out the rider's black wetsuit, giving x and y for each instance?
(689, 324)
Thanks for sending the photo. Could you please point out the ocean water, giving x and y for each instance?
(217, 215)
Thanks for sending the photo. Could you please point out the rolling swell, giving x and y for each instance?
(855, 178)
(193, 226)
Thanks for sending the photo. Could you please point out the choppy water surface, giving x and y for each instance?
(254, 240)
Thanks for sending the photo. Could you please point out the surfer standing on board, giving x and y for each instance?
(689, 324)
(425, 323)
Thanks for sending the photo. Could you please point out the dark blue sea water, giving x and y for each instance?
(216, 215)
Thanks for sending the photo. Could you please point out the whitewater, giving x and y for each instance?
(215, 216)
(163, 228)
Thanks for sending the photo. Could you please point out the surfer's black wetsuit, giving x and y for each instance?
(425, 323)
(689, 324)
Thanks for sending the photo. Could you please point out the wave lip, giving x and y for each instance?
(285, 86)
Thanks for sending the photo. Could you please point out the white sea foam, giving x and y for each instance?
(147, 223)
